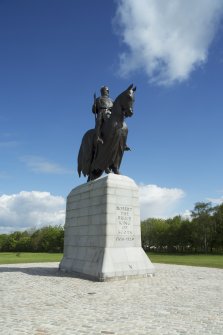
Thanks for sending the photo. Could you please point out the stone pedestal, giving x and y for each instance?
(102, 231)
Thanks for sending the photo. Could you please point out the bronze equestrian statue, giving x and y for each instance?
(102, 148)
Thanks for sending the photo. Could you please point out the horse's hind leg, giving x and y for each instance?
(114, 169)
(94, 175)
(108, 170)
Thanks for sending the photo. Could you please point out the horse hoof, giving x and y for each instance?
(116, 171)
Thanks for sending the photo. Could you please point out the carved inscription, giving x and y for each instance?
(124, 223)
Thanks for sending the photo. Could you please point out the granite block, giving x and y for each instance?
(102, 230)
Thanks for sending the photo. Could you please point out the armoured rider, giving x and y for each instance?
(102, 109)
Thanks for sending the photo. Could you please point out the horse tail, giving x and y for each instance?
(86, 153)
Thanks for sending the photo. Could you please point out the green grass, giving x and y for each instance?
(28, 257)
(213, 261)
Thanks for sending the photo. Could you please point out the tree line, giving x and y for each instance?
(46, 239)
(203, 233)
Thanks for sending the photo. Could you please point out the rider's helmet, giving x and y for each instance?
(104, 90)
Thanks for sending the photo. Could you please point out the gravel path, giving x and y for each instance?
(38, 300)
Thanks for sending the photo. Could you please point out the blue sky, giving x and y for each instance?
(54, 54)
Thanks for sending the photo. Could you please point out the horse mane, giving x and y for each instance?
(116, 101)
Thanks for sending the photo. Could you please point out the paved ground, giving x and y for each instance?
(37, 300)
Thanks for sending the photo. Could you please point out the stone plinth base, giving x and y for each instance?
(102, 231)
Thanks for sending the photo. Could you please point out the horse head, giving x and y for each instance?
(127, 101)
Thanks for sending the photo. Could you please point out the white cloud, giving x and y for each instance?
(41, 165)
(158, 201)
(187, 214)
(26, 210)
(217, 201)
(166, 39)
(35, 209)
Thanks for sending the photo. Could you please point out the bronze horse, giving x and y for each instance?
(95, 158)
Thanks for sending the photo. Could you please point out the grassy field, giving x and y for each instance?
(28, 257)
(213, 261)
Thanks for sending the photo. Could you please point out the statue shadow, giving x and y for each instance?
(43, 272)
